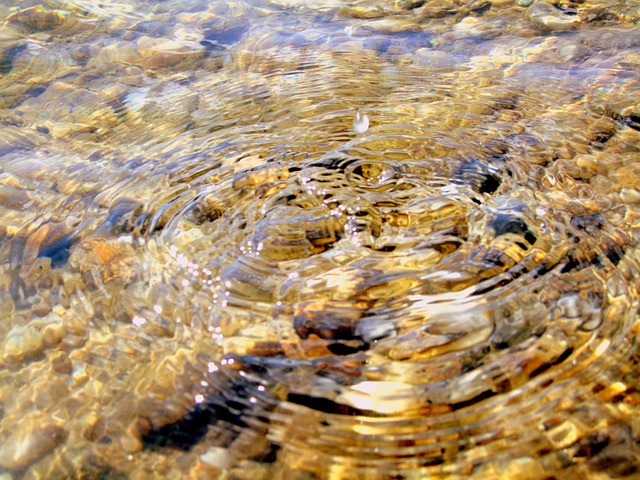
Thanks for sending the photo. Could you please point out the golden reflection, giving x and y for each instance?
(317, 239)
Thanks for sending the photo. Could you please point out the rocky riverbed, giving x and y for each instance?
(292, 239)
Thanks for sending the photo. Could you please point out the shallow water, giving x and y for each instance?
(307, 240)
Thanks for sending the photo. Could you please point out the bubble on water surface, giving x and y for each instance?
(360, 122)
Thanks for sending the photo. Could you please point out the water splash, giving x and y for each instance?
(360, 122)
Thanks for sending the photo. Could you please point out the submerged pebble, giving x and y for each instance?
(30, 442)
(23, 342)
(544, 14)
(212, 266)
(38, 18)
(159, 52)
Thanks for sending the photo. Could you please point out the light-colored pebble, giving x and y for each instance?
(217, 457)
(23, 341)
(545, 15)
(630, 195)
(426, 57)
(26, 445)
(164, 52)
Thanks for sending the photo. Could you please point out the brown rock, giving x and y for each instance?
(37, 18)
(15, 198)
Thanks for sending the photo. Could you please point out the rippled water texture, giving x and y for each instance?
(297, 239)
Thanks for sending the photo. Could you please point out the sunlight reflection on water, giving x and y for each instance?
(290, 239)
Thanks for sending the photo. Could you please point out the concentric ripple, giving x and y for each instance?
(425, 327)
(212, 267)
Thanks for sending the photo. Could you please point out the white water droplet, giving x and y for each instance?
(360, 122)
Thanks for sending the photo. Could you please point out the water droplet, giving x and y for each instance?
(360, 122)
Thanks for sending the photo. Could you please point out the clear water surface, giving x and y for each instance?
(295, 239)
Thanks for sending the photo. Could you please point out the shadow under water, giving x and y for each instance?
(319, 239)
